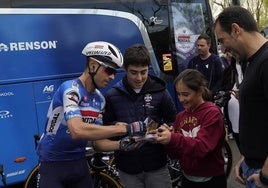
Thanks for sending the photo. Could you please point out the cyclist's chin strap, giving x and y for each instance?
(92, 75)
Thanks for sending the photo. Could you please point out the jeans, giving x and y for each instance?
(247, 171)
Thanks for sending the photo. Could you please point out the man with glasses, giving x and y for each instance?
(74, 116)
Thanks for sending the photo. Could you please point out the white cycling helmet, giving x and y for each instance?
(105, 52)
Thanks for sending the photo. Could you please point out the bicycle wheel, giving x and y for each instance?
(32, 179)
(228, 158)
(104, 180)
(175, 173)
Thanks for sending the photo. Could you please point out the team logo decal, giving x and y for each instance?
(148, 98)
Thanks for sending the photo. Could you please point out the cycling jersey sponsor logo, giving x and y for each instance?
(89, 116)
(5, 114)
(29, 45)
(53, 122)
(73, 96)
(89, 119)
(6, 94)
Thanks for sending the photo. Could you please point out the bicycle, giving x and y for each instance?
(105, 174)
(102, 170)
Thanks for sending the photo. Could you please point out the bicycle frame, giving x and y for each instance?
(102, 173)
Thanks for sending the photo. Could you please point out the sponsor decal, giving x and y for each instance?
(155, 21)
(16, 173)
(6, 94)
(53, 122)
(97, 52)
(5, 114)
(25, 46)
(48, 89)
(73, 96)
(89, 119)
(167, 62)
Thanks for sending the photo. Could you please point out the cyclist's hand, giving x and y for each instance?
(128, 143)
(238, 172)
(137, 128)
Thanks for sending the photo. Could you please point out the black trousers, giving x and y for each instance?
(215, 182)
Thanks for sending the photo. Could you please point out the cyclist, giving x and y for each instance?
(74, 116)
(199, 134)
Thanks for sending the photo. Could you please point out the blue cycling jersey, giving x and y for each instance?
(70, 100)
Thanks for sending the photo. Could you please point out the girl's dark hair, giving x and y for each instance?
(194, 80)
(137, 55)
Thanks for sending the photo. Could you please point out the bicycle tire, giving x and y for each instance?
(105, 181)
(228, 158)
(32, 179)
(175, 172)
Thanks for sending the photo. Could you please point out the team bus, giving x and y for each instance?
(173, 25)
(41, 43)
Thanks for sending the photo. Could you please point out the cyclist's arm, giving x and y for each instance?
(106, 145)
(80, 130)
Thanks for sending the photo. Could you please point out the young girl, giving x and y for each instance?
(198, 135)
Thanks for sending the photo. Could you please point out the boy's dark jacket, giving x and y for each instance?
(125, 105)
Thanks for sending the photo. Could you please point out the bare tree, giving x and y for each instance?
(258, 8)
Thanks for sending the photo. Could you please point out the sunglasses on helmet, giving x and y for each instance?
(108, 69)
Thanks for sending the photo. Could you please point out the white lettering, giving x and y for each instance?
(35, 45)
(48, 89)
(5, 94)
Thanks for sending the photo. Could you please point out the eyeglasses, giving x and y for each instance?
(108, 70)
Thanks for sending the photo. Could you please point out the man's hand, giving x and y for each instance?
(238, 171)
(128, 143)
(137, 128)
